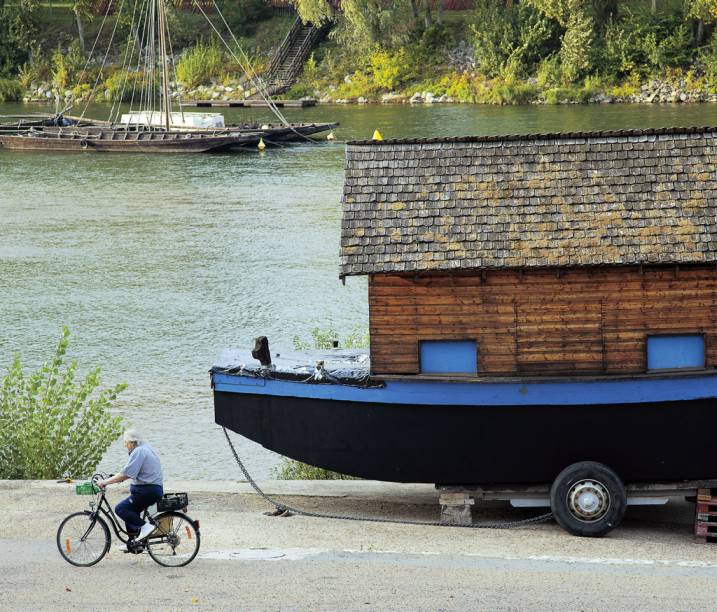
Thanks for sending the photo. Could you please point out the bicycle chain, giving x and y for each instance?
(280, 507)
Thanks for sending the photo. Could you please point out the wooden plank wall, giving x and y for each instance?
(542, 322)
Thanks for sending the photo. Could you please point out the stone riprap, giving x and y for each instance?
(555, 200)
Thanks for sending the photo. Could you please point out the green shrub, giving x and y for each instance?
(122, 83)
(562, 95)
(511, 41)
(51, 424)
(10, 90)
(289, 469)
(509, 92)
(389, 70)
(549, 72)
(645, 43)
(200, 64)
(324, 338)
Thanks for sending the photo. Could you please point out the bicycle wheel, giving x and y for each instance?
(83, 539)
(175, 542)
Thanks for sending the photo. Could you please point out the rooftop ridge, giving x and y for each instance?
(626, 133)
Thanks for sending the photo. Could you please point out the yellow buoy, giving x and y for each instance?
(331, 136)
(377, 135)
(261, 146)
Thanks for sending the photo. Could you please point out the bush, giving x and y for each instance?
(10, 90)
(50, 424)
(644, 43)
(510, 42)
(200, 64)
(289, 469)
(389, 70)
(122, 83)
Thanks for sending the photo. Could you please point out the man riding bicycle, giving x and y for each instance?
(144, 469)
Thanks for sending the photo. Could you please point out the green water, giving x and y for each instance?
(157, 263)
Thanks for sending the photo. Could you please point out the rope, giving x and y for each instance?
(248, 69)
(69, 105)
(280, 507)
(104, 59)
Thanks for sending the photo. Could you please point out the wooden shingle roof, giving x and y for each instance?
(554, 200)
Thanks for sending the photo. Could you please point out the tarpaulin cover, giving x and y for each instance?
(344, 365)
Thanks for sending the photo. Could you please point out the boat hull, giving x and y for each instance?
(458, 444)
(152, 143)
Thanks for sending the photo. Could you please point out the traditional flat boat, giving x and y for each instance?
(543, 310)
(112, 140)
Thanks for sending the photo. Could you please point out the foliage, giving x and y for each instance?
(289, 469)
(67, 66)
(644, 43)
(510, 41)
(122, 83)
(18, 33)
(34, 70)
(200, 64)
(576, 46)
(324, 338)
(50, 423)
(10, 90)
(243, 16)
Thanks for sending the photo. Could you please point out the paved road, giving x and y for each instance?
(250, 561)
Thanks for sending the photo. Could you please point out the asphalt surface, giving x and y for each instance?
(250, 561)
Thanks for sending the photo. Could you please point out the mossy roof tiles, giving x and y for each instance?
(550, 200)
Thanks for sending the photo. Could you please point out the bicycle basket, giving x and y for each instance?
(172, 501)
(86, 488)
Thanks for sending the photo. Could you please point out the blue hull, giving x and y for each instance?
(648, 429)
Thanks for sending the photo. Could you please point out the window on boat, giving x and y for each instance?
(674, 352)
(448, 356)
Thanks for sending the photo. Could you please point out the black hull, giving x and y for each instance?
(460, 445)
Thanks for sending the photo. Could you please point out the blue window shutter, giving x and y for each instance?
(448, 357)
(671, 352)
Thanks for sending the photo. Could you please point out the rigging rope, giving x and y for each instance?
(125, 63)
(69, 104)
(248, 69)
(104, 59)
(280, 507)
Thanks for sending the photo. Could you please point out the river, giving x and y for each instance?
(158, 263)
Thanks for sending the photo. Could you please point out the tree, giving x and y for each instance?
(577, 17)
(703, 12)
(82, 9)
(18, 31)
(50, 423)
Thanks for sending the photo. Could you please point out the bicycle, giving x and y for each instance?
(83, 538)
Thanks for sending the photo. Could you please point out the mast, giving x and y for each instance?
(163, 59)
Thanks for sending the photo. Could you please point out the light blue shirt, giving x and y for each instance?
(143, 466)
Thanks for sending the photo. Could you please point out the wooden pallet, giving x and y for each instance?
(706, 516)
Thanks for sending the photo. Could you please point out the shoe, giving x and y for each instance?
(147, 528)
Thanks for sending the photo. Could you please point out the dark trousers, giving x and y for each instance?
(140, 498)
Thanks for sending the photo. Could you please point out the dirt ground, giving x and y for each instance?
(251, 561)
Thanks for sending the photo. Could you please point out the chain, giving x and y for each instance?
(280, 507)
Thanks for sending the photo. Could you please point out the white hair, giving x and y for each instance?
(132, 435)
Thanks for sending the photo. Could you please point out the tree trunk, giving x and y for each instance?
(439, 14)
(428, 15)
(653, 8)
(700, 34)
(80, 31)
(414, 10)
(509, 4)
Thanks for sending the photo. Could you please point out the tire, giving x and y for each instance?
(175, 542)
(588, 499)
(76, 550)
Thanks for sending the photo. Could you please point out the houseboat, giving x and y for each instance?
(543, 310)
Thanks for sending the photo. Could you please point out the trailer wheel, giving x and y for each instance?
(588, 499)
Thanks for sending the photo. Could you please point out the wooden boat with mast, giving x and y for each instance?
(148, 130)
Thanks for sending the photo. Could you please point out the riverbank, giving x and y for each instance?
(258, 562)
